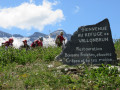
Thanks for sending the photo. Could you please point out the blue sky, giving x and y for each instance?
(28, 16)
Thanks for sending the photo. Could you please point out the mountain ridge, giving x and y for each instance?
(36, 35)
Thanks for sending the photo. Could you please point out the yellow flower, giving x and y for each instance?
(74, 87)
(24, 75)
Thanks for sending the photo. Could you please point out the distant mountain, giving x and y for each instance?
(17, 35)
(57, 32)
(4, 34)
(69, 36)
(36, 35)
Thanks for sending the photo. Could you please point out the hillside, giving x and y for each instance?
(36, 69)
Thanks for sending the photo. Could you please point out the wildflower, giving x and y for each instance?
(24, 75)
(36, 74)
(74, 87)
(119, 75)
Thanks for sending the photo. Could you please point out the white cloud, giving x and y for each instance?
(60, 25)
(29, 15)
(31, 1)
(77, 9)
(28, 33)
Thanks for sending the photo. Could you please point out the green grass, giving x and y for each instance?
(37, 75)
(117, 47)
(11, 55)
(21, 70)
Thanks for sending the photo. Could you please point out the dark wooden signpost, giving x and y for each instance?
(90, 44)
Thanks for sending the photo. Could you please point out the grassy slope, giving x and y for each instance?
(34, 73)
